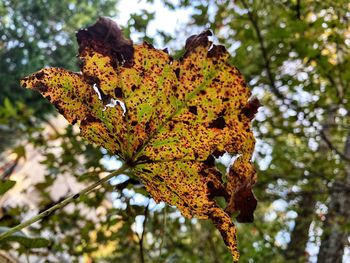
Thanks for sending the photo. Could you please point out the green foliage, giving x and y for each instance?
(23, 240)
(36, 34)
(6, 185)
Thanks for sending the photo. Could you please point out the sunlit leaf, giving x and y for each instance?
(168, 119)
(6, 185)
(25, 241)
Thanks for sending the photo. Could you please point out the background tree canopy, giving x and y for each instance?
(295, 57)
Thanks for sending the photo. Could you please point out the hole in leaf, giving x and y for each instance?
(224, 162)
(112, 103)
(210, 185)
(193, 109)
(96, 89)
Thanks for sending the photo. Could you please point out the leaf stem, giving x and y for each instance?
(63, 203)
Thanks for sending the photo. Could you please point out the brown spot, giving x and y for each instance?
(177, 73)
(218, 123)
(91, 80)
(210, 185)
(89, 118)
(147, 125)
(41, 87)
(216, 51)
(40, 75)
(160, 179)
(210, 161)
(193, 109)
(118, 92)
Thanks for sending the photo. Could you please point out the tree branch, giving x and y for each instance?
(270, 76)
(142, 258)
(7, 169)
(297, 8)
(124, 184)
(332, 147)
(63, 203)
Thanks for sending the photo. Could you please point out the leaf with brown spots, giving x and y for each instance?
(168, 119)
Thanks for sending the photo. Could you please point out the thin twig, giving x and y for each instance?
(142, 257)
(27, 257)
(163, 231)
(51, 125)
(8, 168)
(63, 203)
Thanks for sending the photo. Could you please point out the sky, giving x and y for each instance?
(165, 20)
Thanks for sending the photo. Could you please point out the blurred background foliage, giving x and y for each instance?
(295, 56)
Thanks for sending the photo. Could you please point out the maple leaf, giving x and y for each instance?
(167, 119)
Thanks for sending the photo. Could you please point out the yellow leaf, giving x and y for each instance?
(168, 119)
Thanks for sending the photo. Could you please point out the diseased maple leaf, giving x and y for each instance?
(167, 119)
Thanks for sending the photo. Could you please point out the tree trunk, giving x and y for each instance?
(335, 233)
(295, 251)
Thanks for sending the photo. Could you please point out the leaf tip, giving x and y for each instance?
(105, 37)
(35, 81)
(195, 41)
(251, 108)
